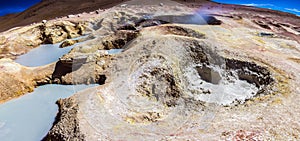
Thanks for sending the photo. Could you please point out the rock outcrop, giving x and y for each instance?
(58, 32)
(68, 123)
(18, 41)
(68, 43)
(17, 80)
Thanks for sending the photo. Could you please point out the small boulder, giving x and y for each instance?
(123, 5)
(71, 16)
(68, 43)
(44, 21)
(264, 34)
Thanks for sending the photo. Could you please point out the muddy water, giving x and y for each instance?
(224, 92)
(45, 54)
(114, 51)
(30, 117)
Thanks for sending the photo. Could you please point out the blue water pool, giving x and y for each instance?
(30, 117)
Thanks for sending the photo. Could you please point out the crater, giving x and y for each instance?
(196, 19)
(225, 81)
(157, 81)
(198, 73)
(205, 77)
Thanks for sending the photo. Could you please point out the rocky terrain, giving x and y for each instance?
(168, 70)
(17, 41)
(17, 80)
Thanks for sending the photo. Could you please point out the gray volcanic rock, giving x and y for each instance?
(68, 123)
(177, 81)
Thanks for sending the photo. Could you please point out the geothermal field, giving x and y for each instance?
(149, 70)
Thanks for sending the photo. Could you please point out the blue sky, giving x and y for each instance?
(291, 6)
(13, 6)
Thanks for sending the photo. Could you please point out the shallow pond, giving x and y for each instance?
(45, 54)
(30, 117)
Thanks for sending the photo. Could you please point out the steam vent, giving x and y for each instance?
(149, 70)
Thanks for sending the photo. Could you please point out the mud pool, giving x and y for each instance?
(197, 19)
(30, 117)
(43, 55)
(46, 54)
(219, 89)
